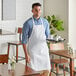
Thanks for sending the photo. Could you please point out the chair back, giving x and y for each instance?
(57, 46)
(20, 33)
(19, 30)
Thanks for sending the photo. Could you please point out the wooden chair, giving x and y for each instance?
(16, 43)
(4, 58)
(57, 61)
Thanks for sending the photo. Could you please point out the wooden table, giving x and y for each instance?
(20, 70)
(4, 58)
(64, 53)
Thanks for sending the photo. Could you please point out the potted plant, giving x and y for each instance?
(12, 63)
(56, 24)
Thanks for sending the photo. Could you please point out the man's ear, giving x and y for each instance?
(32, 11)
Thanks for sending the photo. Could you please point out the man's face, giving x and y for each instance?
(36, 11)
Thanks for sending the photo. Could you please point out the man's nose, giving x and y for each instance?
(37, 11)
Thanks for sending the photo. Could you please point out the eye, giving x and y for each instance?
(39, 9)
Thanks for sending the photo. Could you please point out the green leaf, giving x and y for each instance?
(53, 17)
(49, 18)
(52, 31)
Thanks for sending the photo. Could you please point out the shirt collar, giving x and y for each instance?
(35, 18)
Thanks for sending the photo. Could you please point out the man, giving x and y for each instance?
(35, 32)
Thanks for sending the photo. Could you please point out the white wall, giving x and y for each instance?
(60, 9)
(72, 23)
(23, 12)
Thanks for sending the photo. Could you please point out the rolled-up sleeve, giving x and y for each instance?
(25, 31)
(47, 31)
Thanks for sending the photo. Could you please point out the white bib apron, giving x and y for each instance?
(38, 49)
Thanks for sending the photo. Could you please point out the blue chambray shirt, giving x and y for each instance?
(28, 25)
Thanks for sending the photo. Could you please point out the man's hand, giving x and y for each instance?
(28, 59)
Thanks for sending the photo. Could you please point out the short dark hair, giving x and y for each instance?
(35, 4)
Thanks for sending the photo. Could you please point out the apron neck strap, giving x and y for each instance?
(33, 21)
(41, 21)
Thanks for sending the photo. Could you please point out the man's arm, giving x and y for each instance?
(26, 53)
(25, 31)
(47, 30)
(25, 49)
